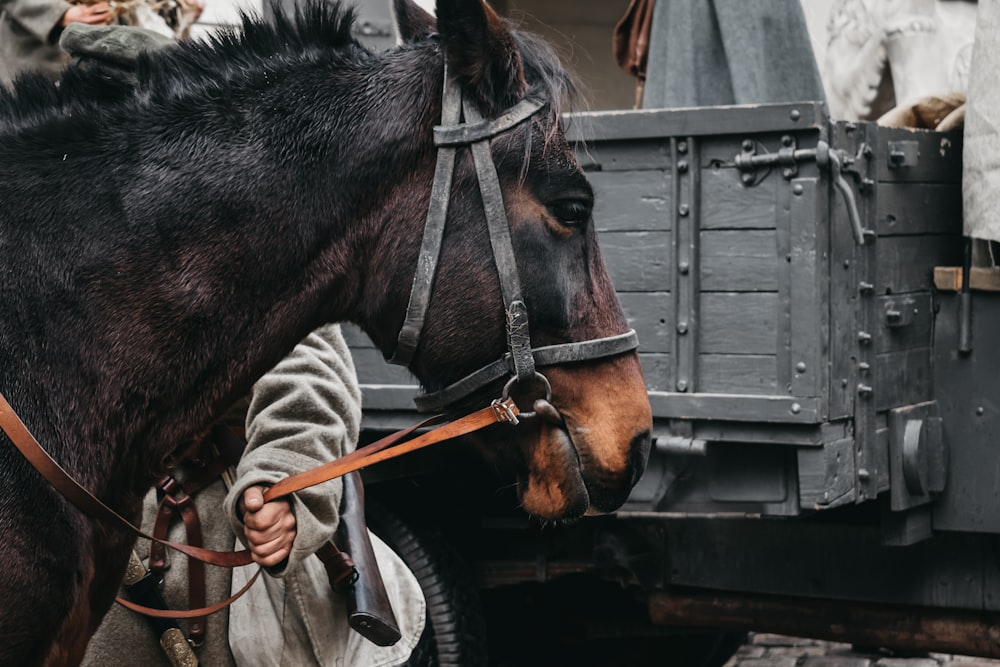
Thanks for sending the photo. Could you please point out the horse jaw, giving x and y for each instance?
(589, 464)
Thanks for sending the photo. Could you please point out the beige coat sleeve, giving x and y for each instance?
(303, 413)
(40, 18)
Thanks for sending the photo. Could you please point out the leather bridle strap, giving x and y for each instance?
(430, 248)
(549, 355)
(476, 132)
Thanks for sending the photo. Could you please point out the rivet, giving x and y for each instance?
(863, 474)
(796, 408)
(980, 411)
(682, 328)
(747, 178)
(682, 146)
(682, 385)
(786, 140)
(800, 367)
(683, 209)
(794, 114)
(797, 188)
(682, 166)
(747, 145)
(683, 267)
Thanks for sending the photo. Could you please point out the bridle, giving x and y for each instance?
(521, 360)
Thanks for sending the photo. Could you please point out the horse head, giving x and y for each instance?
(588, 441)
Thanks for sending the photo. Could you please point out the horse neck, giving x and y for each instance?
(178, 322)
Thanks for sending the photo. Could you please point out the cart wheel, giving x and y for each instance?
(455, 632)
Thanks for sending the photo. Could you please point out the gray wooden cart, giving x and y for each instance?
(824, 416)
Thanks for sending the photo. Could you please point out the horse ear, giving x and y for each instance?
(481, 53)
(412, 22)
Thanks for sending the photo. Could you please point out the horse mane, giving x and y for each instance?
(317, 31)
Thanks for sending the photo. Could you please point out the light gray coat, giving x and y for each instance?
(29, 35)
(303, 413)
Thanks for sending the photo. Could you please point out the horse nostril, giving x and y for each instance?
(640, 454)
(545, 409)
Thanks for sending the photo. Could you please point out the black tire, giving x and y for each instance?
(455, 632)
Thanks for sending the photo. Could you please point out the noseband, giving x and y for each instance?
(521, 360)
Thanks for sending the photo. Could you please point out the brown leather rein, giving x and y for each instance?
(500, 411)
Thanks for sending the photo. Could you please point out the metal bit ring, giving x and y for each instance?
(538, 378)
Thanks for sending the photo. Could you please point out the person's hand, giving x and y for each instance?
(191, 9)
(96, 14)
(269, 527)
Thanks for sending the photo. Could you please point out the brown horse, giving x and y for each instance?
(166, 240)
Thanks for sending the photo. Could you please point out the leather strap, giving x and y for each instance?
(84, 500)
(189, 613)
(548, 355)
(499, 412)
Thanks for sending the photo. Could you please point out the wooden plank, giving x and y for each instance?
(802, 366)
(735, 323)
(388, 397)
(658, 123)
(919, 330)
(735, 407)
(728, 204)
(919, 208)
(373, 369)
(939, 159)
(906, 263)
(919, 628)
(685, 241)
(638, 261)
(628, 201)
(624, 155)
(949, 278)
(656, 370)
(739, 261)
(826, 475)
(355, 337)
(737, 374)
(903, 378)
(651, 315)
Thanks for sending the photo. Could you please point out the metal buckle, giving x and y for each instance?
(505, 410)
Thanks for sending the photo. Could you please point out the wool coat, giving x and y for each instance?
(29, 37)
(303, 413)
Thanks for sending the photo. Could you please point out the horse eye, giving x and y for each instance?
(571, 212)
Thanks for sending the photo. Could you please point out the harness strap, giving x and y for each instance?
(430, 248)
(498, 412)
(518, 336)
(549, 355)
(470, 132)
(85, 501)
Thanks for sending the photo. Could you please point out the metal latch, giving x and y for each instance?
(903, 154)
(788, 158)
